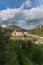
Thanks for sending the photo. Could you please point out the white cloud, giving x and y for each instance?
(3, 26)
(13, 13)
(20, 16)
(27, 3)
(34, 13)
(9, 13)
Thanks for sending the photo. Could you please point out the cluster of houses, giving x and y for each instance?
(16, 34)
(23, 35)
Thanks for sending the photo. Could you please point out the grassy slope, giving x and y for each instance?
(37, 31)
(11, 54)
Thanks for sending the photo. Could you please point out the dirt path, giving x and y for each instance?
(35, 36)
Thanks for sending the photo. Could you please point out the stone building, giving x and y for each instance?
(16, 35)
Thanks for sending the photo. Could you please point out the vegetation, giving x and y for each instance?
(37, 31)
(12, 54)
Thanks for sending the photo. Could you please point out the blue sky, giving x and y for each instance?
(10, 3)
(23, 13)
(15, 3)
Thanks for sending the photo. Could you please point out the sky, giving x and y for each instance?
(23, 13)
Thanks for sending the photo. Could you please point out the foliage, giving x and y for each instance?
(12, 54)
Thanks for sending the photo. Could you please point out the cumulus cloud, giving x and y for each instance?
(9, 13)
(22, 17)
(27, 3)
(34, 13)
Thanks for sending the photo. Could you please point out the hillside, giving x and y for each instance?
(28, 54)
(38, 30)
(18, 52)
(13, 27)
(8, 30)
